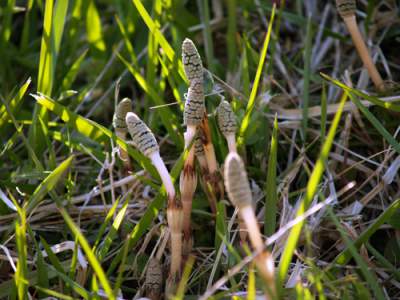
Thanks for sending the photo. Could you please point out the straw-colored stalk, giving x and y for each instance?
(144, 140)
(346, 9)
(238, 189)
(121, 130)
(214, 178)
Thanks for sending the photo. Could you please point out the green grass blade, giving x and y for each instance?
(47, 184)
(94, 263)
(311, 189)
(21, 275)
(53, 293)
(373, 99)
(14, 103)
(367, 272)
(94, 29)
(72, 72)
(271, 194)
(375, 122)
(251, 284)
(231, 33)
(344, 257)
(169, 51)
(109, 238)
(252, 100)
(307, 75)
(204, 12)
(324, 102)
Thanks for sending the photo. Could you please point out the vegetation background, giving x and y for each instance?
(68, 228)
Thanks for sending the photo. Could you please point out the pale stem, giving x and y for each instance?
(176, 251)
(189, 135)
(231, 140)
(248, 216)
(164, 174)
(362, 49)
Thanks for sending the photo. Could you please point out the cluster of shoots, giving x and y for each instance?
(347, 10)
(198, 145)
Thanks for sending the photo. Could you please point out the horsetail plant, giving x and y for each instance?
(121, 129)
(144, 140)
(238, 189)
(347, 9)
(227, 124)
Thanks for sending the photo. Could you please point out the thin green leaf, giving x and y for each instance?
(252, 100)
(311, 189)
(95, 264)
(94, 29)
(271, 194)
(47, 184)
(306, 79)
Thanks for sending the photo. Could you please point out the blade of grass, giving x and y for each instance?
(323, 112)
(250, 105)
(14, 103)
(69, 78)
(47, 184)
(306, 79)
(231, 34)
(344, 257)
(373, 99)
(21, 274)
(311, 189)
(160, 37)
(367, 272)
(95, 264)
(204, 12)
(94, 29)
(271, 195)
(53, 293)
(185, 278)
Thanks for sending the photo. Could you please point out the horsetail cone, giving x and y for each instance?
(226, 118)
(119, 122)
(194, 105)
(142, 137)
(346, 7)
(191, 60)
(236, 182)
(198, 146)
(154, 279)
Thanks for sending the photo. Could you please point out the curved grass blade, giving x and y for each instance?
(47, 184)
(271, 195)
(160, 37)
(367, 272)
(253, 94)
(311, 189)
(95, 264)
(373, 99)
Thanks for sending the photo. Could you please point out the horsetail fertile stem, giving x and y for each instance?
(205, 176)
(154, 279)
(191, 59)
(227, 124)
(238, 189)
(120, 128)
(346, 9)
(144, 140)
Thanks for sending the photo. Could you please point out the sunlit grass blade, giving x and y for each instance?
(271, 193)
(251, 284)
(48, 184)
(323, 112)
(94, 29)
(373, 99)
(14, 103)
(108, 239)
(252, 100)
(93, 130)
(53, 293)
(94, 263)
(311, 189)
(21, 274)
(128, 44)
(344, 257)
(169, 51)
(185, 278)
(365, 270)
